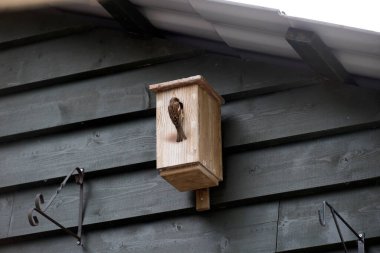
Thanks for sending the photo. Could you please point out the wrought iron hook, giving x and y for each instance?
(335, 214)
(39, 201)
(322, 214)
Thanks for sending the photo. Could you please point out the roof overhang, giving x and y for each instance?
(250, 28)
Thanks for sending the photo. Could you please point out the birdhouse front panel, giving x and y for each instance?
(169, 151)
(188, 133)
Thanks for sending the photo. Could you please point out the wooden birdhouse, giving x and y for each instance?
(195, 162)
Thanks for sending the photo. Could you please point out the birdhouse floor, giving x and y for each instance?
(189, 177)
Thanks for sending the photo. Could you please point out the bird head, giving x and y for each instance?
(174, 100)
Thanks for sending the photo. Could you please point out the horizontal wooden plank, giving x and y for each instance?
(40, 24)
(360, 207)
(371, 247)
(235, 230)
(78, 56)
(300, 113)
(41, 110)
(95, 149)
(274, 119)
(302, 166)
(270, 173)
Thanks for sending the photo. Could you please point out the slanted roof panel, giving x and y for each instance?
(261, 30)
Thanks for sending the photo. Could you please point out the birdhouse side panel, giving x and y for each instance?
(210, 133)
(169, 151)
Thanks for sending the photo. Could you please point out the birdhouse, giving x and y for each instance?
(193, 161)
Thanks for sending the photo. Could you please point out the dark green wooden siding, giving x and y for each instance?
(73, 92)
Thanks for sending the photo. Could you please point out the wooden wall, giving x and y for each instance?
(74, 92)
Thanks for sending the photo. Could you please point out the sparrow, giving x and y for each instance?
(175, 109)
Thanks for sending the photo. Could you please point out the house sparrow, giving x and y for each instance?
(175, 109)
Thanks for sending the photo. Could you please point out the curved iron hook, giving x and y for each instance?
(38, 201)
(33, 220)
(80, 176)
(335, 215)
(322, 215)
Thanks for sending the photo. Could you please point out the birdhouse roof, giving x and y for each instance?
(198, 79)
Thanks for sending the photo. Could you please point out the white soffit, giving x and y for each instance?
(244, 15)
(256, 40)
(176, 5)
(181, 22)
(341, 37)
(365, 65)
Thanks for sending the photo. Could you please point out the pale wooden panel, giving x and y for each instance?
(189, 177)
(170, 152)
(210, 149)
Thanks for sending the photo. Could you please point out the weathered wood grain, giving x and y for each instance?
(6, 209)
(53, 156)
(284, 170)
(299, 224)
(80, 55)
(273, 119)
(371, 247)
(56, 107)
(303, 166)
(300, 113)
(172, 239)
(169, 152)
(242, 229)
(111, 95)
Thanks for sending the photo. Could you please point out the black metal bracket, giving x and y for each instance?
(39, 200)
(322, 221)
